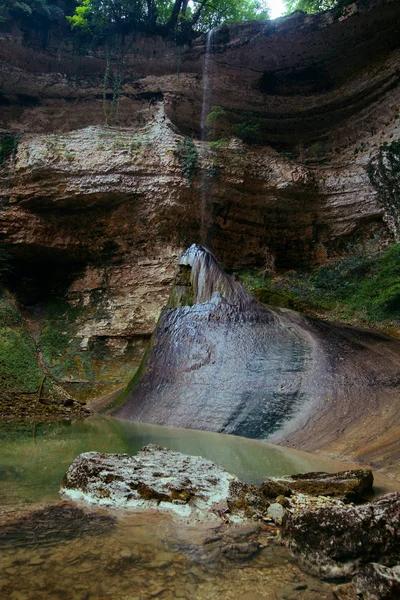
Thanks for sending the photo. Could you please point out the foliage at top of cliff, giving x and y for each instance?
(36, 12)
(181, 19)
(315, 6)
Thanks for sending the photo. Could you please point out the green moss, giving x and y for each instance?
(9, 315)
(252, 280)
(220, 143)
(182, 291)
(82, 369)
(8, 145)
(381, 292)
(60, 349)
(119, 400)
(19, 370)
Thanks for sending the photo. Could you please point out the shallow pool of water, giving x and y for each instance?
(35, 457)
(50, 550)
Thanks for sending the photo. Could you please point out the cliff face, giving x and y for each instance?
(96, 216)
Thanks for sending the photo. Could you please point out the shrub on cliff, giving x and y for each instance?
(361, 288)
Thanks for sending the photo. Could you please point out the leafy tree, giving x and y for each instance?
(37, 10)
(184, 19)
(37, 15)
(314, 6)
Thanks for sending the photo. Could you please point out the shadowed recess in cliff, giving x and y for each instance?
(220, 360)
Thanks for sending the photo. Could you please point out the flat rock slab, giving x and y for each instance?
(155, 478)
(346, 485)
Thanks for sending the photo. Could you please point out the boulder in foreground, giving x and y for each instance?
(376, 582)
(155, 478)
(336, 541)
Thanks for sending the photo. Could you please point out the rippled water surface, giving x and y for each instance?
(53, 550)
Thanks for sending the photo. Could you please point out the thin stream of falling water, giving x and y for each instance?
(205, 109)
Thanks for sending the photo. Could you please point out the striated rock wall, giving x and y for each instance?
(96, 215)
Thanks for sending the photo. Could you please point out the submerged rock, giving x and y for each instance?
(337, 540)
(52, 525)
(155, 478)
(346, 485)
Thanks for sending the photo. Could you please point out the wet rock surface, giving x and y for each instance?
(219, 360)
(376, 582)
(247, 501)
(346, 485)
(155, 478)
(338, 540)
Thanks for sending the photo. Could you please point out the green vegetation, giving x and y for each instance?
(8, 145)
(361, 288)
(186, 153)
(212, 121)
(19, 370)
(220, 143)
(38, 14)
(60, 350)
(34, 9)
(248, 130)
(315, 6)
(180, 19)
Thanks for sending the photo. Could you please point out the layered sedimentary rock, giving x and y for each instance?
(302, 74)
(97, 215)
(220, 360)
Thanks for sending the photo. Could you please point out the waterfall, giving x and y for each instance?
(205, 109)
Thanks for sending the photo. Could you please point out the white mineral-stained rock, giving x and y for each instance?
(276, 512)
(156, 478)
